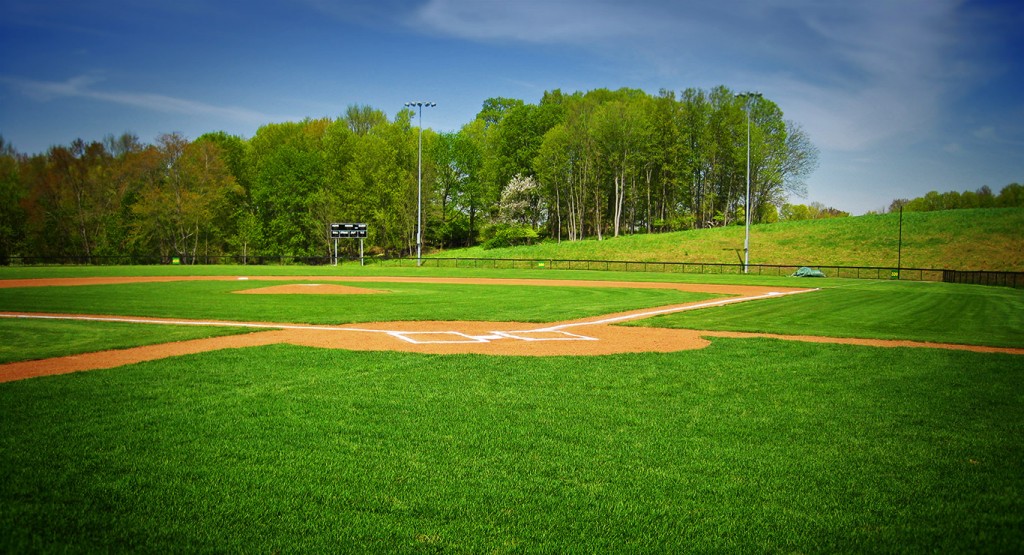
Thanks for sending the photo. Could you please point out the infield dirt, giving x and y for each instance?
(586, 337)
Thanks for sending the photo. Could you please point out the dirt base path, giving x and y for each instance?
(584, 337)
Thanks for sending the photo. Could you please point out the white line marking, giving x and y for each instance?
(565, 336)
(520, 335)
(184, 322)
(404, 336)
(672, 310)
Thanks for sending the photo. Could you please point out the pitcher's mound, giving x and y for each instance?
(310, 289)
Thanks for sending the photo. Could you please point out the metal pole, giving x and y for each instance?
(419, 180)
(899, 249)
(419, 192)
(746, 237)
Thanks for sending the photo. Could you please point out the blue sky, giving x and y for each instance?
(900, 96)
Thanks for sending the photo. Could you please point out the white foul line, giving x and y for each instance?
(672, 310)
(213, 323)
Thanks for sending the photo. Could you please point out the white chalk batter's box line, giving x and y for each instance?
(462, 338)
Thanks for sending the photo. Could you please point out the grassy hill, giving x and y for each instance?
(981, 239)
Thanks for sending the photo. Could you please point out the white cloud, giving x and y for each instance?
(855, 74)
(530, 21)
(986, 133)
(895, 82)
(83, 86)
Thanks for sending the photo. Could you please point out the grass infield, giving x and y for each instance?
(400, 301)
(38, 339)
(937, 312)
(747, 446)
(750, 445)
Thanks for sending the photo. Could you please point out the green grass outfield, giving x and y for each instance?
(936, 312)
(750, 445)
(400, 301)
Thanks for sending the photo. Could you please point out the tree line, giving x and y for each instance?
(573, 166)
(1010, 196)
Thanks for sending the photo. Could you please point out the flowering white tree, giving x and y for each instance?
(521, 202)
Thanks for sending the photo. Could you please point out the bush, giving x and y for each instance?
(510, 236)
(452, 233)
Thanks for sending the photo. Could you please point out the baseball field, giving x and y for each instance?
(348, 409)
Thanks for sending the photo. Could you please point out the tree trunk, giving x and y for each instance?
(617, 206)
(558, 214)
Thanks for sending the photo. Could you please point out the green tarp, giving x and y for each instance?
(808, 272)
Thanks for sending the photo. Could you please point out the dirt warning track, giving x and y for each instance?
(584, 337)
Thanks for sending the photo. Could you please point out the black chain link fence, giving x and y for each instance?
(981, 277)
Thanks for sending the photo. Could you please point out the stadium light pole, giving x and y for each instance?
(899, 249)
(746, 238)
(419, 180)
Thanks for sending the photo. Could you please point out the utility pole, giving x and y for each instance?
(419, 181)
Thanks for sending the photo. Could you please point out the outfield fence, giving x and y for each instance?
(1004, 279)
(858, 272)
(156, 260)
(979, 277)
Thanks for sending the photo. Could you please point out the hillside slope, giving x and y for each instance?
(981, 239)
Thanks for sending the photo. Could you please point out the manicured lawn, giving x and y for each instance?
(401, 301)
(751, 445)
(747, 446)
(939, 312)
(25, 339)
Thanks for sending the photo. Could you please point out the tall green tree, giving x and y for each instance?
(556, 164)
(77, 195)
(287, 167)
(382, 176)
(243, 230)
(185, 209)
(12, 194)
(696, 155)
(458, 163)
(134, 168)
(362, 119)
(518, 136)
(768, 156)
(567, 165)
(1011, 196)
(623, 133)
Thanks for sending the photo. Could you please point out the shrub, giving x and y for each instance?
(506, 235)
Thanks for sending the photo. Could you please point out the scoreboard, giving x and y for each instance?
(347, 231)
